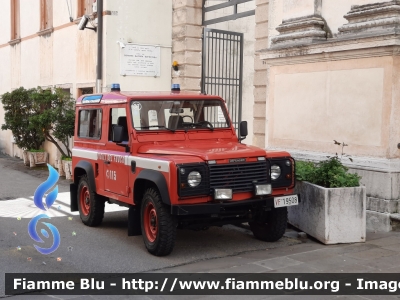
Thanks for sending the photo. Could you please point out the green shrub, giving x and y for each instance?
(56, 118)
(305, 171)
(36, 115)
(330, 173)
(19, 108)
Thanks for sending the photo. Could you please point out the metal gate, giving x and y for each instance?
(222, 69)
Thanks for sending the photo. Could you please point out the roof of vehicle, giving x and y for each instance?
(124, 96)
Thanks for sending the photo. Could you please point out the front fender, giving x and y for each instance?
(159, 181)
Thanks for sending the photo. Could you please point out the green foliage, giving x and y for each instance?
(19, 109)
(67, 158)
(330, 173)
(57, 117)
(37, 115)
(34, 150)
(305, 171)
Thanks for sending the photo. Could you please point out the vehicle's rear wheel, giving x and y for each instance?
(271, 227)
(158, 225)
(90, 205)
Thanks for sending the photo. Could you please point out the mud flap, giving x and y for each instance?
(134, 226)
(73, 191)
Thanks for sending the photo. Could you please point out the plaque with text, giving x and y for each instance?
(140, 60)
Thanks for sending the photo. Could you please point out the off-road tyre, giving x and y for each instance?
(90, 205)
(272, 226)
(158, 225)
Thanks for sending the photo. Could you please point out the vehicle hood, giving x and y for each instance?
(206, 150)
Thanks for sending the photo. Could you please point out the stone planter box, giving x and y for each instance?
(37, 158)
(67, 167)
(331, 215)
(60, 167)
(25, 156)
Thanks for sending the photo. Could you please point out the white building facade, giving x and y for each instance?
(40, 45)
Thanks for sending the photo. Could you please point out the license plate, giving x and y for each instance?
(286, 201)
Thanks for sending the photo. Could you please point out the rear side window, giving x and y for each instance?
(90, 123)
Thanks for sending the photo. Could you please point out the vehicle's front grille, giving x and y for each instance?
(240, 177)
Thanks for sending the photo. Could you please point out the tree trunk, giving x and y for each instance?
(52, 140)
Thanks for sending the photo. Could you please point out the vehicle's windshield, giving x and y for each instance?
(179, 115)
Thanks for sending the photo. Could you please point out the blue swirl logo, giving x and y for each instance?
(50, 199)
(44, 187)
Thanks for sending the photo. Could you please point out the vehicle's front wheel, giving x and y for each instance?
(271, 227)
(158, 225)
(90, 205)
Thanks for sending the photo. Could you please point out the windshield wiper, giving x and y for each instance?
(153, 126)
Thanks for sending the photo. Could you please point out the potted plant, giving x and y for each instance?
(333, 204)
(37, 157)
(66, 165)
(18, 110)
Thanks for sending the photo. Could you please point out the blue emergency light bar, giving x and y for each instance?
(115, 87)
(175, 87)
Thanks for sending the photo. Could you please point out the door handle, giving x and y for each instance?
(106, 162)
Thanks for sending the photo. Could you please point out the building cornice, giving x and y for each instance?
(372, 30)
(334, 49)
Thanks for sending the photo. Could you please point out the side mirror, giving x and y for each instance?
(243, 130)
(117, 133)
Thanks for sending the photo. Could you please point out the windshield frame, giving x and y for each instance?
(147, 127)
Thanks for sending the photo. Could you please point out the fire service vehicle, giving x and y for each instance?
(175, 160)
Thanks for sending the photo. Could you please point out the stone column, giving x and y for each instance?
(302, 24)
(260, 75)
(187, 43)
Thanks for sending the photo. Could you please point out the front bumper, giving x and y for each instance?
(217, 208)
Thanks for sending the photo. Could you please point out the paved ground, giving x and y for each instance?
(17, 180)
(218, 250)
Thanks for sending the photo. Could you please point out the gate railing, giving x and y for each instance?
(222, 69)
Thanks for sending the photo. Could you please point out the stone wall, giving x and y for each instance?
(186, 43)
(260, 76)
(342, 84)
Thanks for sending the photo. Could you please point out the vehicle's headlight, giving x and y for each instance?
(275, 172)
(194, 178)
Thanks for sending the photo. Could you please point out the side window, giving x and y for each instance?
(118, 117)
(90, 123)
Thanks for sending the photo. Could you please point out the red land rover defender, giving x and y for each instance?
(174, 159)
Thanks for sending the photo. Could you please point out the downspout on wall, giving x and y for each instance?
(99, 75)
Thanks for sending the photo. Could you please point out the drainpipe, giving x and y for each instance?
(99, 77)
